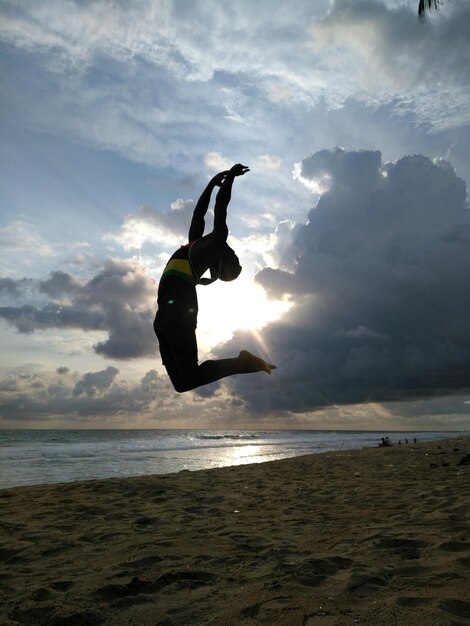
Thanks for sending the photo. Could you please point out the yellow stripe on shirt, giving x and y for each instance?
(178, 267)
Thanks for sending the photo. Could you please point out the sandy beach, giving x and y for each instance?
(378, 536)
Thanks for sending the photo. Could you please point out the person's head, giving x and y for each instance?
(229, 265)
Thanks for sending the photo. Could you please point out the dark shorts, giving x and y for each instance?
(175, 327)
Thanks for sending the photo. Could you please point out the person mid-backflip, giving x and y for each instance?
(176, 318)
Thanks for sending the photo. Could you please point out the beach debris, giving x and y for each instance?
(465, 460)
(433, 465)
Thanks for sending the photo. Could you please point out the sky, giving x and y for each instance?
(352, 226)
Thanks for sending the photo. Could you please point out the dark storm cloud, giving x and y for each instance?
(59, 284)
(59, 395)
(118, 300)
(95, 383)
(8, 286)
(13, 288)
(28, 318)
(380, 288)
(125, 294)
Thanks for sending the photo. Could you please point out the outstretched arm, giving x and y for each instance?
(223, 198)
(205, 253)
(196, 230)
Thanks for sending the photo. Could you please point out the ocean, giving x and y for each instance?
(29, 457)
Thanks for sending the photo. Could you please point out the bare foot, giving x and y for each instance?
(254, 363)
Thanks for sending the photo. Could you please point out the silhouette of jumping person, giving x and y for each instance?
(176, 318)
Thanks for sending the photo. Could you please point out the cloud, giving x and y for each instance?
(389, 41)
(63, 395)
(28, 318)
(19, 240)
(13, 288)
(108, 399)
(270, 161)
(95, 383)
(164, 228)
(161, 36)
(59, 284)
(102, 63)
(387, 51)
(379, 289)
(216, 162)
(167, 230)
(119, 299)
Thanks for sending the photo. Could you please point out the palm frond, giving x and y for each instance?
(427, 5)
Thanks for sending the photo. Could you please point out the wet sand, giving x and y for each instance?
(369, 537)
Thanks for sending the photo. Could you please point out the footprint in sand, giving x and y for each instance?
(455, 546)
(396, 543)
(84, 618)
(144, 563)
(458, 608)
(62, 585)
(44, 594)
(406, 548)
(365, 582)
(315, 571)
(144, 521)
(9, 555)
(412, 601)
(410, 571)
(137, 586)
(34, 615)
(269, 611)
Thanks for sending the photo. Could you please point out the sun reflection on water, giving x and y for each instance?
(241, 455)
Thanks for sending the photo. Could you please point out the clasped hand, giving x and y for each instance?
(236, 170)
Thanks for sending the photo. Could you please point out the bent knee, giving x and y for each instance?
(181, 388)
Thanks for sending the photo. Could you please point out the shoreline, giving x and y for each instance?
(460, 432)
(64, 458)
(370, 536)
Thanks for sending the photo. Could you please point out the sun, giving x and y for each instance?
(227, 307)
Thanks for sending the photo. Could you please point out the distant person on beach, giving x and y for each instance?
(176, 318)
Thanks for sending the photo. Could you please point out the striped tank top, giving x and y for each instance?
(179, 266)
